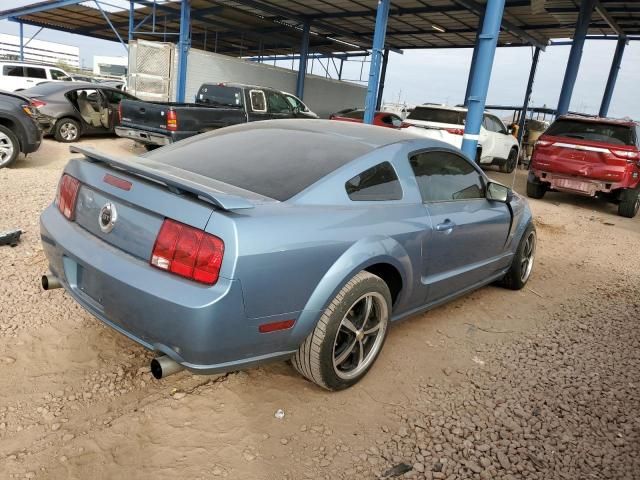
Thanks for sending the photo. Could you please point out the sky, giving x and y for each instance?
(440, 75)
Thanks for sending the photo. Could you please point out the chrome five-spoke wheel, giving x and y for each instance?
(360, 335)
(528, 255)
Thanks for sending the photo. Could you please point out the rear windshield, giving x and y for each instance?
(273, 162)
(597, 132)
(220, 96)
(438, 115)
(44, 89)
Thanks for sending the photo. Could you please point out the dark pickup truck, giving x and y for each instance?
(216, 106)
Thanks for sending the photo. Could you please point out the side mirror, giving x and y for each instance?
(498, 192)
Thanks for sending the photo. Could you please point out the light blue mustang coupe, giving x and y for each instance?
(280, 239)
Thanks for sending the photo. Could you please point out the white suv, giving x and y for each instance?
(495, 145)
(16, 76)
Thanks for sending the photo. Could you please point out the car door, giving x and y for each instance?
(277, 105)
(113, 99)
(488, 140)
(467, 245)
(504, 141)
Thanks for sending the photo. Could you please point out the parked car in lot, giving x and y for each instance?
(280, 239)
(496, 146)
(217, 105)
(19, 133)
(589, 156)
(381, 119)
(69, 110)
(17, 76)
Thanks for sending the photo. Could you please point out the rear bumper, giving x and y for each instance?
(575, 184)
(203, 328)
(143, 136)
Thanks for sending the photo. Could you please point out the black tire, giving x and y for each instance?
(9, 147)
(315, 359)
(522, 264)
(511, 163)
(536, 189)
(67, 130)
(629, 203)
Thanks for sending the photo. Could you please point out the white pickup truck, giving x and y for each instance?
(496, 146)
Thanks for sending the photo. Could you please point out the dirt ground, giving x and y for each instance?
(542, 383)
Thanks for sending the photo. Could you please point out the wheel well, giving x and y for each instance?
(390, 275)
(8, 123)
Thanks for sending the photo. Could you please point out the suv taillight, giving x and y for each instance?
(172, 120)
(37, 103)
(67, 196)
(629, 155)
(188, 252)
(120, 113)
(455, 131)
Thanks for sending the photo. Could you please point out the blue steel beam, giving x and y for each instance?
(184, 43)
(21, 42)
(575, 55)
(527, 95)
(613, 76)
(302, 65)
(474, 57)
(111, 25)
(33, 36)
(377, 52)
(482, 75)
(131, 20)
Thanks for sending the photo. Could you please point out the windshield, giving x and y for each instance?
(438, 115)
(595, 132)
(220, 96)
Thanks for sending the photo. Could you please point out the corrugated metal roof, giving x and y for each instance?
(268, 27)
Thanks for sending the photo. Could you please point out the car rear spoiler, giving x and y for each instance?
(176, 179)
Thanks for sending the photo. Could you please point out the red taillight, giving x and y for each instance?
(172, 120)
(67, 195)
(276, 326)
(629, 155)
(37, 103)
(120, 113)
(117, 182)
(455, 131)
(188, 252)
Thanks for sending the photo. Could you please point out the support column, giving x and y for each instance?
(184, 43)
(383, 76)
(382, 16)
(488, 40)
(613, 76)
(474, 57)
(21, 42)
(573, 64)
(527, 95)
(340, 71)
(131, 18)
(302, 63)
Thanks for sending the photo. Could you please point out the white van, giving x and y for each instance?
(16, 76)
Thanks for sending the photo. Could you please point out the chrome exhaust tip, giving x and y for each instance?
(164, 366)
(49, 282)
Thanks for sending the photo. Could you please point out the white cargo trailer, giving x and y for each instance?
(153, 70)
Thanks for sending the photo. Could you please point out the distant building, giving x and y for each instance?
(38, 51)
(110, 66)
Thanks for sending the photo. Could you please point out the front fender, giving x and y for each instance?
(361, 255)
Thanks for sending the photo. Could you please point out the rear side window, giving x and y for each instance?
(220, 95)
(445, 176)
(277, 103)
(438, 115)
(13, 71)
(596, 132)
(58, 75)
(34, 72)
(378, 183)
(258, 102)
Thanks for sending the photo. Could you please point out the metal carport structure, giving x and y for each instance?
(282, 27)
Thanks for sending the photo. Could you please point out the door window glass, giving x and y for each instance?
(34, 72)
(445, 176)
(115, 97)
(498, 126)
(375, 184)
(258, 102)
(295, 103)
(13, 71)
(277, 103)
(58, 75)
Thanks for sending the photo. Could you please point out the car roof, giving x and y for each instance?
(28, 64)
(442, 107)
(298, 151)
(617, 121)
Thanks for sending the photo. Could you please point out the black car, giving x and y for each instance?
(19, 133)
(68, 110)
(216, 105)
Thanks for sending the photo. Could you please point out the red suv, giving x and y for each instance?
(382, 119)
(589, 156)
